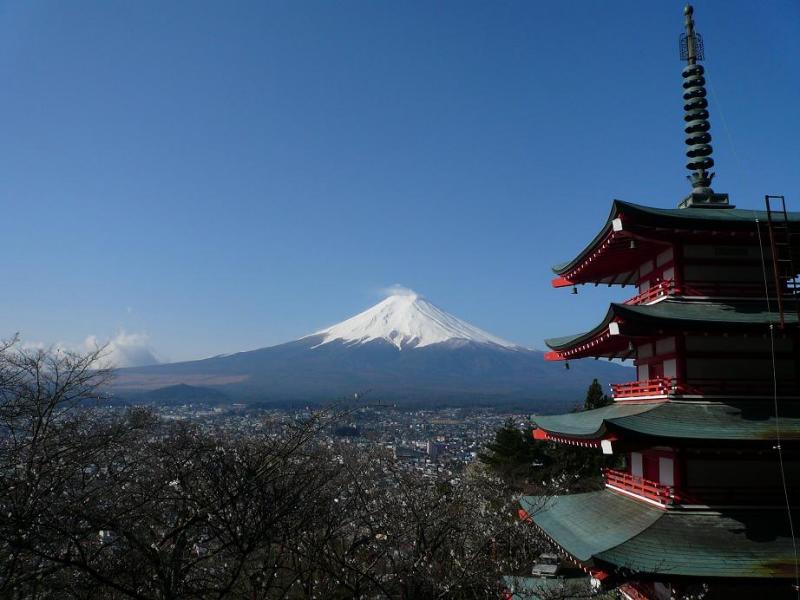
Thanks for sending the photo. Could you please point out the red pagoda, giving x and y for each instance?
(709, 431)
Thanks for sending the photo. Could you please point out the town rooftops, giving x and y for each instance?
(610, 532)
(732, 420)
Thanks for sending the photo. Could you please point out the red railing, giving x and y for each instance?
(663, 387)
(652, 490)
(710, 289)
(659, 290)
(660, 386)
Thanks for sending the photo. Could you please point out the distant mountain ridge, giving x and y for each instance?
(181, 393)
(404, 349)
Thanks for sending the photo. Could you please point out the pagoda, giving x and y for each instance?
(707, 435)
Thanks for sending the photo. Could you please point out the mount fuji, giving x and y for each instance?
(404, 349)
(405, 320)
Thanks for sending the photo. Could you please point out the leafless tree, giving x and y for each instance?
(42, 438)
(111, 504)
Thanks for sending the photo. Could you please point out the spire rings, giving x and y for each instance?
(696, 116)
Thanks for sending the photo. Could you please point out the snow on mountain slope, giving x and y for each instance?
(407, 320)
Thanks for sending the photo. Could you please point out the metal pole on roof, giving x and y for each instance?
(697, 126)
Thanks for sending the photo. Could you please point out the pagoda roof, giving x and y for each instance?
(606, 528)
(731, 420)
(671, 313)
(693, 218)
(613, 261)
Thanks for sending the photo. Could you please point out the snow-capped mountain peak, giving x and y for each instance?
(406, 320)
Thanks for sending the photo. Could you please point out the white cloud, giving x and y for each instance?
(399, 290)
(32, 346)
(124, 350)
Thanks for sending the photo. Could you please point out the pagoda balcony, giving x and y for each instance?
(670, 387)
(639, 487)
(656, 292)
(668, 496)
(659, 387)
(705, 289)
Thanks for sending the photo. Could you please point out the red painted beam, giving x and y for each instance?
(559, 282)
(542, 435)
(539, 434)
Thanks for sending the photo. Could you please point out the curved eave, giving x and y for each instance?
(589, 424)
(699, 315)
(566, 267)
(611, 261)
(603, 259)
(734, 545)
(698, 219)
(610, 338)
(578, 524)
(608, 259)
(740, 421)
(599, 341)
(605, 528)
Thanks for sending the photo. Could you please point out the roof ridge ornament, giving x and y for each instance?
(697, 127)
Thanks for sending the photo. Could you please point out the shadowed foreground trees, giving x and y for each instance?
(536, 466)
(102, 504)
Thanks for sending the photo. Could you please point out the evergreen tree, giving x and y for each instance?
(595, 398)
(513, 454)
(521, 460)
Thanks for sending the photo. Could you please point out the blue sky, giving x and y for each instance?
(213, 177)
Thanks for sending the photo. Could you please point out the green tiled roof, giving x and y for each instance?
(604, 527)
(737, 544)
(731, 420)
(586, 524)
(567, 341)
(748, 312)
(683, 313)
(679, 218)
(589, 423)
(695, 218)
